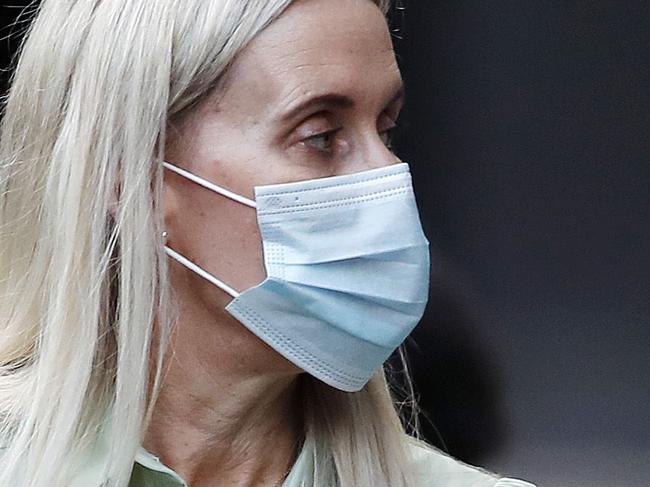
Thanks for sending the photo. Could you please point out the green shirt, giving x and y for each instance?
(432, 467)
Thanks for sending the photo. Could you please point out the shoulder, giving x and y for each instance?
(435, 468)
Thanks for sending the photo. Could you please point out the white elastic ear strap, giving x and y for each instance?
(201, 272)
(217, 189)
(211, 186)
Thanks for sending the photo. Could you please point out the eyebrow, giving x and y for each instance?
(335, 100)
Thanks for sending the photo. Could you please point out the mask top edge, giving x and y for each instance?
(340, 179)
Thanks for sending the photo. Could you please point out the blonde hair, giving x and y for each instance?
(83, 274)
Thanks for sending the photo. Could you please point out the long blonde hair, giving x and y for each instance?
(83, 274)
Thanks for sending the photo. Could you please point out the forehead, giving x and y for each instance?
(315, 46)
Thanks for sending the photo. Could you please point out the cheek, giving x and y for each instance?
(220, 236)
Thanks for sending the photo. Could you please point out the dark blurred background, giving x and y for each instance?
(527, 128)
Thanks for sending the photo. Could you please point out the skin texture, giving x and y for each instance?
(229, 409)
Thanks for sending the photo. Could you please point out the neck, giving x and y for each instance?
(221, 417)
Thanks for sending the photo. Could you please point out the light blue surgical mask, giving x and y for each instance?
(347, 267)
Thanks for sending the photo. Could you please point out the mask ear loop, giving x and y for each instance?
(201, 272)
(211, 186)
(217, 189)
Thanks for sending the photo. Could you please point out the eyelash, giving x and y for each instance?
(390, 133)
(321, 136)
(331, 133)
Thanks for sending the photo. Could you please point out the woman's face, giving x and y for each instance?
(314, 95)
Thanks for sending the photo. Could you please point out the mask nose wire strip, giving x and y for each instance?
(192, 266)
(211, 186)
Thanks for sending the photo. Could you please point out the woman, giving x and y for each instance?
(171, 171)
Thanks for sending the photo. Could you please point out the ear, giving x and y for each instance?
(170, 203)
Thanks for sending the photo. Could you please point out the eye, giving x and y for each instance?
(387, 137)
(323, 141)
(387, 134)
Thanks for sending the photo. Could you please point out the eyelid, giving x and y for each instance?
(391, 121)
(333, 131)
(312, 138)
(394, 112)
(319, 122)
